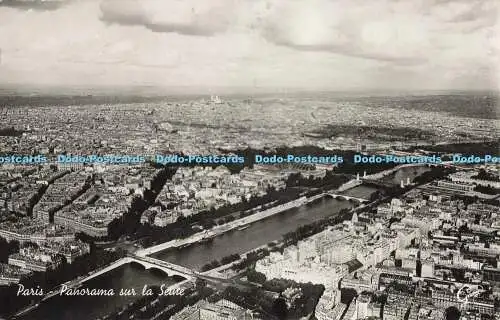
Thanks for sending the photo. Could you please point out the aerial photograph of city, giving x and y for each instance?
(249, 159)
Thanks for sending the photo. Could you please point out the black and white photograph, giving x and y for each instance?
(249, 160)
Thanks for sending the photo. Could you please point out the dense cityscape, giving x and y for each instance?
(395, 241)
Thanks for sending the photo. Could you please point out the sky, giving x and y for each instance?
(308, 44)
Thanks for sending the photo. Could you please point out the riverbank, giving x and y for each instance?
(218, 230)
(242, 222)
(221, 229)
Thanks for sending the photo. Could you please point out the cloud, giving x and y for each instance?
(336, 27)
(155, 16)
(350, 51)
(129, 14)
(473, 11)
(38, 5)
(473, 16)
(404, 32)
(326, 43)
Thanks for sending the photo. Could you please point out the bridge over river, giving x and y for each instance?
(149, 263)
(336, 196)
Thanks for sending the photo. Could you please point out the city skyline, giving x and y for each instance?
(325, 45)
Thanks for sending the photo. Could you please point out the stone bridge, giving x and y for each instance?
(346, 197)
(149, 263)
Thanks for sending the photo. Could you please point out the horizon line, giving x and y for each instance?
(159, 91)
